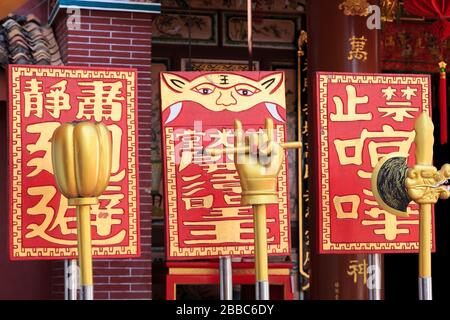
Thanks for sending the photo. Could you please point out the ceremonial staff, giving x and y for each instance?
(395, 186)
(81, 158)
(258, 159)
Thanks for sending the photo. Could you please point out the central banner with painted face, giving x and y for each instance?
(203, 211)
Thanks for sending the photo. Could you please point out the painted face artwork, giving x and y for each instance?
(202, 193)
(222, 92)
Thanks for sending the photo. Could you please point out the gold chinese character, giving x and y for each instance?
(225, 231)
(409, 92)
(189, 149)
(222, 139)
(193, 188)
(232, 199)
(339, 202)
(399, 110)
(103, 101)
(61, 220)
(45, 131)
(229, 212)
(116, 136)
(389, 41)
(357, 51)
(352, 102)
(356, 269)
(57, 99)
(389, 92)
(42, 208)
(390, 223)
(213, 167)
(222, 231)
(33, 100)
(198, 202)
(350, 151)
(104, 214)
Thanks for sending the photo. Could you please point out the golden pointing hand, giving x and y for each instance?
(258, 159)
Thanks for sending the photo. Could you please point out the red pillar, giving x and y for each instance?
(329, 31)
(116, 39)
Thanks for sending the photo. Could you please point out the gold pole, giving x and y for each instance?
(425, 241)
(259, 187)
(424, 185)
(81, 159)
(84, 244)
(261, 264)
(424, 161)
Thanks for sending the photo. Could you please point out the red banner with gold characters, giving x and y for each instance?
(42, 225)
(204, 216)
(362, 118)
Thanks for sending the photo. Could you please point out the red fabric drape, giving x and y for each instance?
(437, 9)
(443, 105)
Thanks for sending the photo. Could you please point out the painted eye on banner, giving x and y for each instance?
(204, 89)
(246, 90)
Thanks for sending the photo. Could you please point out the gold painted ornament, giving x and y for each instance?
(355, 7)
(258, 159)
(81, 158)
(395, 186)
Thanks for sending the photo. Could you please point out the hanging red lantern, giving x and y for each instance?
(436, 9)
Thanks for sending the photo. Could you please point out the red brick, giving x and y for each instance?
(138, 42)
(110, 14)
(110, 40)
(132, 62)
(142, 16)
(134, 279)
(77, 39)
(120, 54)
(130, 295)
(101, 295)
(124, 264)
(76, 52)
(141, 287)
(87, 33)
(100, 279)
(108, 27)
(146, 55)
(101, 263)
(111, 272)
(89, 60)
(111, 287)
(146, 29)
(92, 20)
(91, 46)
(141, 272)
(129, 48)
(127, 22)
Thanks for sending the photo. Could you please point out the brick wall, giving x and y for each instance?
(116, 39)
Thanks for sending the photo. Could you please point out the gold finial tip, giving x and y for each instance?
(442, 64)
(424, 118)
